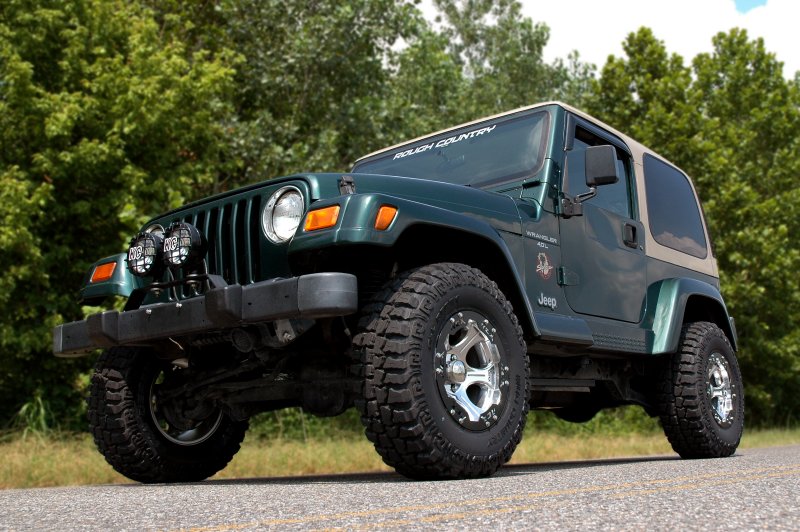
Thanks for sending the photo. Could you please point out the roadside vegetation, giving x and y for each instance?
(290, 444)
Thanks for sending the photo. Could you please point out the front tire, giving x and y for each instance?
(445, 374)
(701, 397)
(140, 427)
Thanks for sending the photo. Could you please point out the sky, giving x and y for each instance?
(597, 28)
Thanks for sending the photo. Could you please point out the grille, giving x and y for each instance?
(231, 230)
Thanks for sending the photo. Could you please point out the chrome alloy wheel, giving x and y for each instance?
(174, 426)
(469, 369)
(720, 392)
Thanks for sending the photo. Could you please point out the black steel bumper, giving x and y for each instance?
(317, 295)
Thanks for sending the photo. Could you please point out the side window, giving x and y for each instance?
(675, 219)
(614, 198)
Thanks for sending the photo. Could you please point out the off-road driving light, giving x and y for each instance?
(282, 214)
(183, 245)
(322, 218)
(143, 255)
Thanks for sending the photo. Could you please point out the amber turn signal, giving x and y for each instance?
(385, 217)
(322, 218)
(103, 272)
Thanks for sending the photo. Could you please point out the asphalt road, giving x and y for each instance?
(756, 489)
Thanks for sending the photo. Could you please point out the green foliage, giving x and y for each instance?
(103, 121)
(294, 424)
(501, 55)
(311, 91)
(34, 417)
(611, 422)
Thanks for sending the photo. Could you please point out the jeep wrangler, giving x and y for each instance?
(533, 259)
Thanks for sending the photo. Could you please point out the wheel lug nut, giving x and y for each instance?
(487, 423)
(452, 411)
(461, 420)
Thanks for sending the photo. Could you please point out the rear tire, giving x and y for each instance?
(701, 397)
(445, 374)
(146, 439)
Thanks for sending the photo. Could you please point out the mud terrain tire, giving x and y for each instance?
(445, 374)
(126, 433)
(701, 397)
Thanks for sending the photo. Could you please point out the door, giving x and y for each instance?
(603, 265)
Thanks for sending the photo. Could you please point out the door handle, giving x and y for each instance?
(629, 236)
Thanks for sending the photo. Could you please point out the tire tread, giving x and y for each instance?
(389, 391)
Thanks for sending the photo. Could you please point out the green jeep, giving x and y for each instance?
(533, 259)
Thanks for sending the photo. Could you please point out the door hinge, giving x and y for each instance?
(567, 277)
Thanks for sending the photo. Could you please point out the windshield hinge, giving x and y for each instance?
(347, 185)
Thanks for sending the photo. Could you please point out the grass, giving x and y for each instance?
(68, 459)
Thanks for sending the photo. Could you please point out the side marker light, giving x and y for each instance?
(103, 272)
(386, 215)
(322, 218)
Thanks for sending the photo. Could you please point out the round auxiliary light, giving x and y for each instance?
(282, 214)
(156, 229)
(143, 255)
(183, 245)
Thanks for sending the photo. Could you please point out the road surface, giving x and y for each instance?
(756, 489)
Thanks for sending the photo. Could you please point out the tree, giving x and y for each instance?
(752, 136)
(103, 121)
(733, 123)
(501, 54)
(312, 89)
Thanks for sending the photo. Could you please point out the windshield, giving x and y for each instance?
(479, 155)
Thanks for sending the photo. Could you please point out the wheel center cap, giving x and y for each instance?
(456, 371)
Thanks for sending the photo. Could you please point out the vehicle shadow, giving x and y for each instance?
(384, 477)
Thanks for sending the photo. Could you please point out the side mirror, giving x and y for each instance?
(601, 166)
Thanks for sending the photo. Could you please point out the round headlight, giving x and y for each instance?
(282, 214)
(143, 255)
(183, 245)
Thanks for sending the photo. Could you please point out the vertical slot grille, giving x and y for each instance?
(231, 230)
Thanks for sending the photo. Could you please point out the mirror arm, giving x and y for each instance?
(580, 198)
(573, 206)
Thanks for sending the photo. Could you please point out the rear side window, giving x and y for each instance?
(675, 219)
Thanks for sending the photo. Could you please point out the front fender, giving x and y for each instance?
(356, 226)
(122, 282)
(672, 297)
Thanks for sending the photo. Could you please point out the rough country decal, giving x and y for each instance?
(444, 142)
(543, 266)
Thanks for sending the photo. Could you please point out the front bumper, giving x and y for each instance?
(317, 295)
